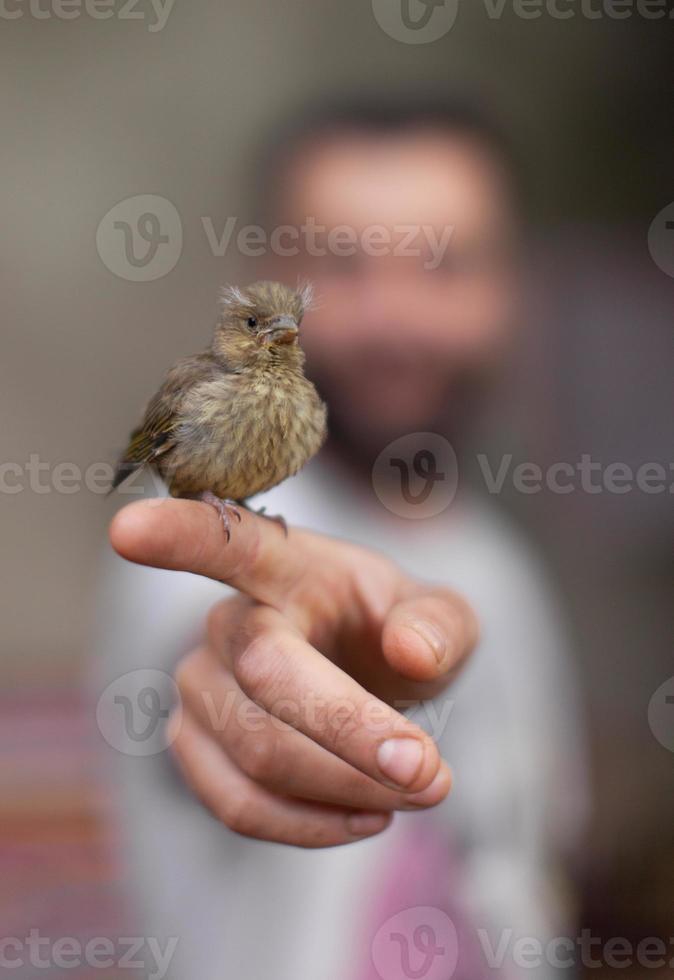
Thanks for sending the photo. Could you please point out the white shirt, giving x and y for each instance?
(246, 909)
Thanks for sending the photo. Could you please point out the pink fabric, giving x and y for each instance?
(416, 927)
(61, 872)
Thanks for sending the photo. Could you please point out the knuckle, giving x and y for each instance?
(236, 811)
(321, 830)
(343, 719)
(256, 667)
(256, 757)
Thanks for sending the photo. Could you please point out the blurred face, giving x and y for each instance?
(409, 246)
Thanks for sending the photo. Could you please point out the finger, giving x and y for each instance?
(429, 635)
(276, 755)
(253, 811)
(187, 535)
(279, 670)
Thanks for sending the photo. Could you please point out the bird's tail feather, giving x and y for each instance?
(124, 470)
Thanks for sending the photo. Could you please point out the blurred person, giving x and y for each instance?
(400, 345)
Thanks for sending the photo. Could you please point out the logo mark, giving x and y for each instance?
(661, 714)
(132, 711)
(419, 943)
(415, 21)
(416, 476)
(140, 238)
(661, 240)
(149, 704)
(425, 466)
(406, 13)
(423, 940)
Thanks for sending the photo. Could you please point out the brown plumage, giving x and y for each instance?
(240, 417)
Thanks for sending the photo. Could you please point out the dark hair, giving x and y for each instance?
(379, 117)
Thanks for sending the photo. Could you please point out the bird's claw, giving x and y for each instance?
(277, 518)
(224, 508)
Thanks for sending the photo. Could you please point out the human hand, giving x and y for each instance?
(288, 730)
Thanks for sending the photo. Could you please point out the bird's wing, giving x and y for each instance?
(148, 441)
(156, 433)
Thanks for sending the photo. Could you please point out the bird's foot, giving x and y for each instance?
(277, 518)
(224, 508)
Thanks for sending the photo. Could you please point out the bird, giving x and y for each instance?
(239, 417)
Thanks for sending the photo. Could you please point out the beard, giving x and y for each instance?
(375, 403)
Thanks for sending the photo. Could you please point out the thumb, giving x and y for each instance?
(429, 635)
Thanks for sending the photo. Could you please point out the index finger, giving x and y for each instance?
(280, 672)
(187, 536)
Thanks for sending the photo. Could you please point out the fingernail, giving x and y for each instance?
(400, 759)
(433, 637)
(366, 824)
(433, 794)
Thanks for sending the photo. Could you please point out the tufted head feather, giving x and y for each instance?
(265, 299)
(305, 291)
(233, 298)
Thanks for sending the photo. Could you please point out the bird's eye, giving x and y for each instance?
(252, 321)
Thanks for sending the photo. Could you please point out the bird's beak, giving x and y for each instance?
(281, 330)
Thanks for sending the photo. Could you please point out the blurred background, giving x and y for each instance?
(175, 102)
